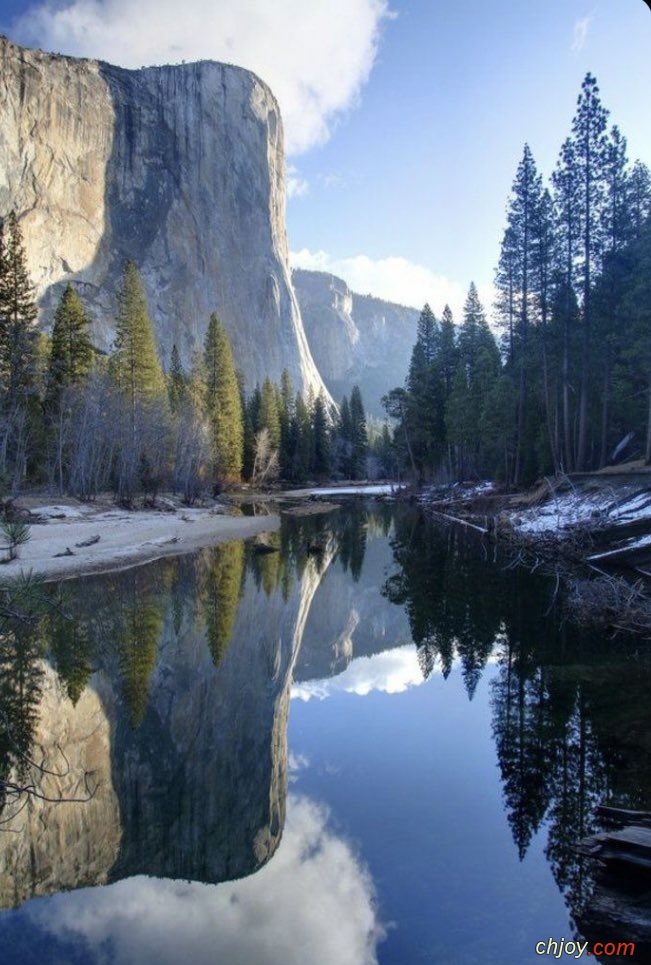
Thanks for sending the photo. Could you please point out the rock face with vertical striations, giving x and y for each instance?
(179, 168)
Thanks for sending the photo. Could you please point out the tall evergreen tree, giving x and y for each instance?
(359, 434)
(17, 317)
(72, 353)
(518, 280)
(565, 180)
(478, 367)
(19, 409)
(425, 408)
(223, 402)
(269, 414)
(589, 136)
(639, 192)
(177, 383)
(321, 439)
(135, 363)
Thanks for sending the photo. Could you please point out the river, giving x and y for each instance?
(378, 743)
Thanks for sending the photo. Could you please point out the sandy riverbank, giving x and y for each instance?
(125, 538)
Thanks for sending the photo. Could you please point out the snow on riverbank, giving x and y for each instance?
(586, 508)
(56, 546)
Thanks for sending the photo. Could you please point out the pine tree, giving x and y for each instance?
(565, 180)
(478, 367)
(589, 135)
(269, 414)
(177, 384)
(359, 434)
(20, 415)
(321, 439)
(518, 279)
(425, 410)
(135, 362)
(223, 402)
(639, 192)
(344, 440)
(72, 353)
(17, 317)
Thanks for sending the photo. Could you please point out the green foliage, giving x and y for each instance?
(15, 533)
(269, 413)
(321, 439)
(359, 435)
(220, 595)
(139, 629)
(17, 316)
(135, 363)
(223, 403)
(176, 383)
(71, 350)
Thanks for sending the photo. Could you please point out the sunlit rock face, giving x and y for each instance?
(47, 846)
(355, 339)
(179, 168)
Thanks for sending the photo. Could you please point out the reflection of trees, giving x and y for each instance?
(71, 648)
(141, 605)
(571, 715)
(437, 584)
(220, 593)
(351, 535)
(21, 676)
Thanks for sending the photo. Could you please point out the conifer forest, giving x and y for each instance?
(560, 382)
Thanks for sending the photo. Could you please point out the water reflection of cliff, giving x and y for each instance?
(348, 617)
(168, 690)
(571, 716)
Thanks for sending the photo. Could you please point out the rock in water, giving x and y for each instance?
(179, 168)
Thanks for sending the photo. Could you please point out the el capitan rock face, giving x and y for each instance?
(179, 168)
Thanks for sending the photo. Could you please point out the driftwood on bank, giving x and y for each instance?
(620, 906)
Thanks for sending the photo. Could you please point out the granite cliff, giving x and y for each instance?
(179, 168)
(355, 339)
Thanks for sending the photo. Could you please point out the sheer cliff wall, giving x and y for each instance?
(179, 168)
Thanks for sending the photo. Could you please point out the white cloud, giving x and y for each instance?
(296, 185)
(581, 32)
(283, 913)
(395, 279)
(315, 56)
(392, 672)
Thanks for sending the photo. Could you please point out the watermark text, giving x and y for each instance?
(557, 948)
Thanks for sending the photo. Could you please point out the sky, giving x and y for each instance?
(404, 120)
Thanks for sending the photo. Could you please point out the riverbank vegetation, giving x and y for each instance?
(81, 421)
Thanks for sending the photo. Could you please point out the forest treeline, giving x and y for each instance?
(83, 421)
(566, 386)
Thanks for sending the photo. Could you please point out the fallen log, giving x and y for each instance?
(458, 519)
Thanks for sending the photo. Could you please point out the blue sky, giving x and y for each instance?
(405, 119)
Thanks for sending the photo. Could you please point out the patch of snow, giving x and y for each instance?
(63, 512)
(385, 489)
(569, 509)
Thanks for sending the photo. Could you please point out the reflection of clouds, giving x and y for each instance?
(296, 763)
(313, 902)
(391, 671)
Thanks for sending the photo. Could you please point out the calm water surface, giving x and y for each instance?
(378, 744)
